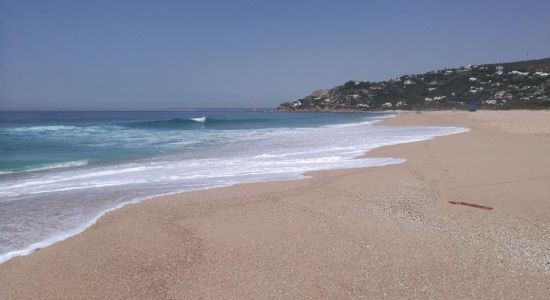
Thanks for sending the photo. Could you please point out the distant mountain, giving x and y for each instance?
(523, 84)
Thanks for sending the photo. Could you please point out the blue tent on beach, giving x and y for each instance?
(472, 106)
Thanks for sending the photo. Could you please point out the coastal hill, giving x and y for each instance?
(523, 84)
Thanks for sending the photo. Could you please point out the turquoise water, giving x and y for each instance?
(61, 171)
(43, 140)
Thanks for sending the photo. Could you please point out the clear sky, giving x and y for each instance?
(161, 54)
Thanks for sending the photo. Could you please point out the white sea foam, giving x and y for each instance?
(68, 164)
(40, 128)
(199, 119)
(59, 237)
(66, 201)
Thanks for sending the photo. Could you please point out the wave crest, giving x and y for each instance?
(199, 119)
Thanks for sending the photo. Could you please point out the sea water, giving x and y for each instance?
(61, 171)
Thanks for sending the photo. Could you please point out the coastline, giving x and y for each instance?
(358, 232)
(79, 228)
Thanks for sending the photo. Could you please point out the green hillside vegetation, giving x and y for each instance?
(524, 84)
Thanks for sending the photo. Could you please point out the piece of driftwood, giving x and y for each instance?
(471, 205)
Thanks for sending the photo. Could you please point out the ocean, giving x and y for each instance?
(61, 171)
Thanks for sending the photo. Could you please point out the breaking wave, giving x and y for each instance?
(199, 119)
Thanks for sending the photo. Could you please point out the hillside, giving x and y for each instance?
(524, 84)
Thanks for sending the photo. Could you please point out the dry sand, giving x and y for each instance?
(373, 232)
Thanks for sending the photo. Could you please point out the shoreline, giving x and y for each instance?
(83, 227)
(228, 223)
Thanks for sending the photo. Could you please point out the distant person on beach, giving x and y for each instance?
(419, 106)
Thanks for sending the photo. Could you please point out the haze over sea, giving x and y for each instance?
(60, 171)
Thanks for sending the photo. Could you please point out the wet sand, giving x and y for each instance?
(372, 232)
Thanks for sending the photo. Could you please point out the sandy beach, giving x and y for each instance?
(381, 232)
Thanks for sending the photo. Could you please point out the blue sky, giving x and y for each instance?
(162, 54)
